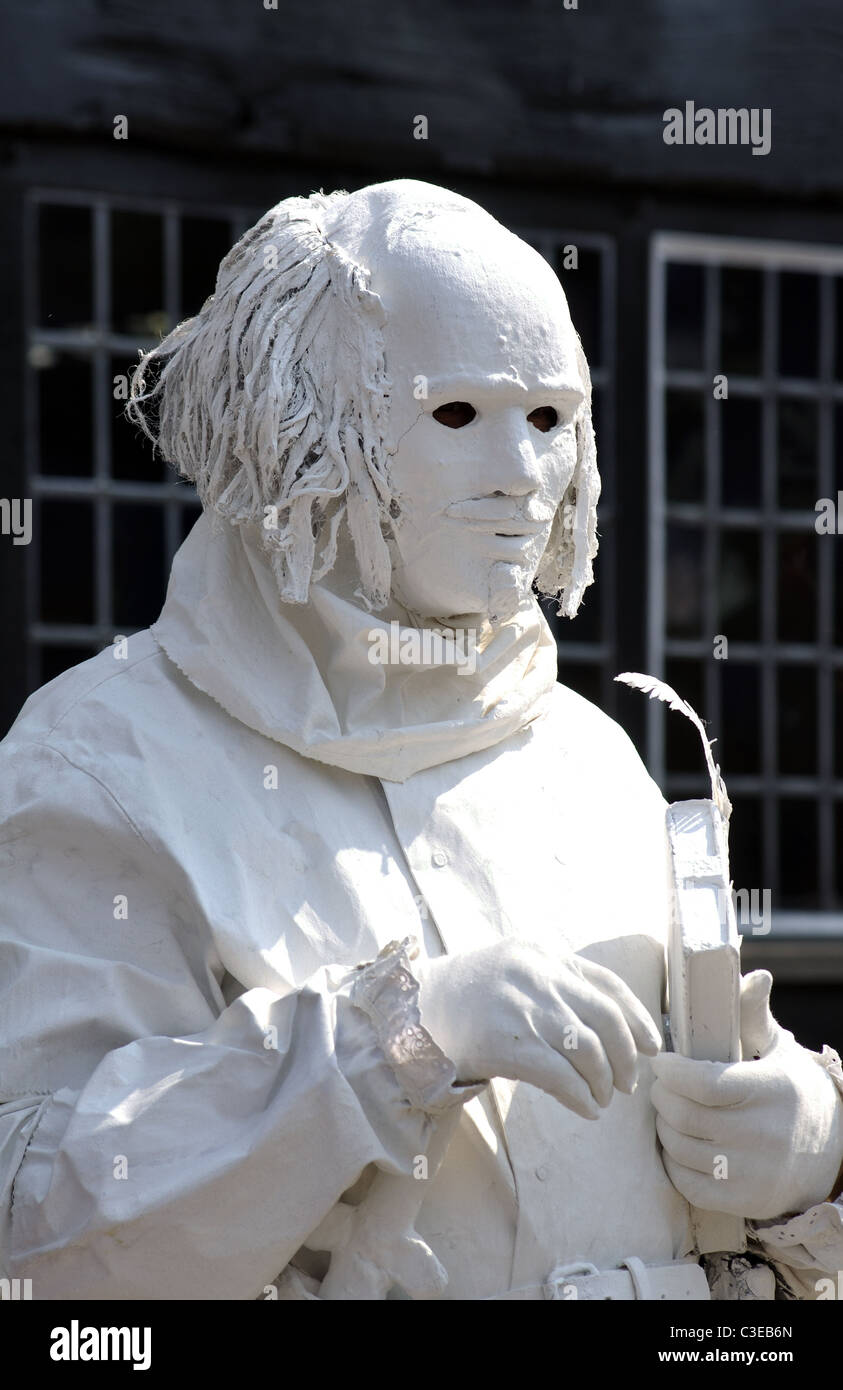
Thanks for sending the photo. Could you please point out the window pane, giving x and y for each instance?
(54, 660)
(204, 242)
(587, 626)
(740, 434)
(64, 391)
(837, 678)
(740, 741)
(684, 581)
(838, 341)
(189, 518)
(139, 581)
(838, 452)
(797, 454)
(65, 261)
(583, 677)
(739, 588)
(797, 715)
(132, 457)
(684, 336)
(582, 291)
(745, 852)
(137, 274)
(799, 324)
(797, 587)
(605, 460)
(740, 321)
(67, 561)
(684, 433)
(797, 856)
(683, 750)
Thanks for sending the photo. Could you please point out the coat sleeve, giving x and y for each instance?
(156, 1143)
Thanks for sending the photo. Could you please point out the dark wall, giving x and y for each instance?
(528, 91)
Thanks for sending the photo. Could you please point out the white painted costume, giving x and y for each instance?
(201, 846)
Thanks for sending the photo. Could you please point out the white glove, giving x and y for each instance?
(776, 1120)
(566, 1025)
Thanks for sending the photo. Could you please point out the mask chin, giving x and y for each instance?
(508, 589)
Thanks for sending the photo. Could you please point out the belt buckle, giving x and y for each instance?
(559, 1273)
(638, 1273)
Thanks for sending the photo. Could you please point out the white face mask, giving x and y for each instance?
(473, 316)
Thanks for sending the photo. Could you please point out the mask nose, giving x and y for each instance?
(512, 465)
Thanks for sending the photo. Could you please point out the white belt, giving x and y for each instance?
(681, 1281)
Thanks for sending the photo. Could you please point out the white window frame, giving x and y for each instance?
(97, 344)
(717, 252)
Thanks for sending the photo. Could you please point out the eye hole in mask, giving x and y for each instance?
(455, 414)
(544, 418)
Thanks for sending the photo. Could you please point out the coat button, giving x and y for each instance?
(541, 1172)
(439, 858)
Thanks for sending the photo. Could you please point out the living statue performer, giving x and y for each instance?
(323, 952)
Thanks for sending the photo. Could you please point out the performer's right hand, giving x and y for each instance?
(567, 1025)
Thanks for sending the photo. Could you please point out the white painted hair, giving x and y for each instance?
(275, 396)
(566, 568)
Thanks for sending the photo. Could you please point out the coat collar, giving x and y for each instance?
(303, 675)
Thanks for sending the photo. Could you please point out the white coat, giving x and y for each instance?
(185, 1090)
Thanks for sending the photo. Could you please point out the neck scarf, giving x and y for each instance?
(303, 674)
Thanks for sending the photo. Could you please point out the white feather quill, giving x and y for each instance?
(659, 690)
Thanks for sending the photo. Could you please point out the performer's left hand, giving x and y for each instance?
(762, 1138)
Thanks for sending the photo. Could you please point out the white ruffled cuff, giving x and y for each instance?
(387, 991)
